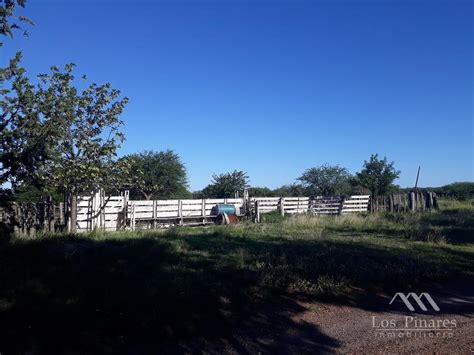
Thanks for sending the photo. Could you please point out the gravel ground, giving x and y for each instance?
(286, 326)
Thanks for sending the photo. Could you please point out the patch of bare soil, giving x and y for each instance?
(361, 324)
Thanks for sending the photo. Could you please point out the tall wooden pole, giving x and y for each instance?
(417, 176)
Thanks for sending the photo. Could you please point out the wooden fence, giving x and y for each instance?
(98, 211)
(318, 205)
(27, 219)
(412, 201)
(167, 212)
(111, 213)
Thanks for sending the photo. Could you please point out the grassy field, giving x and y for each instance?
(143, 290)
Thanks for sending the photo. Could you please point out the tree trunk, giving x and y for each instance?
(73, 209)
(147, 196)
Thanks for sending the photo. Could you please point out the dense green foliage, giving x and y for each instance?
(378, 175)
(326, 180)
(57, 136)
(289, 190)
(155, 175)
(260, 191)
(225, 185)
(83, 129)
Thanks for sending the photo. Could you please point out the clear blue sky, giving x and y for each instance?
(275, 87)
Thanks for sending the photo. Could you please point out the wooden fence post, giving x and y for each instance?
(203, 211)
(132, 217)
(155, 214)
(281, 206)
(257, 212)
(180, 212)
(412, 201)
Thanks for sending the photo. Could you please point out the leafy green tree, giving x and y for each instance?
(291, 190)
(57, 136)
(260, 191)
(8, 22)
(378, 175)
(226, 185)
(12, 74)
(156, 175)
(84, 132)
(326, 180)
(23, 135)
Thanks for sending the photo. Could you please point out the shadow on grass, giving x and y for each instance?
(188, 292)
(137, 295)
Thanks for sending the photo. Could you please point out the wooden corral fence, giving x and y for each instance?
(412, 201)
(98, 211)
(318, 205)
(111, 213)
(151, 214)
(27, 219)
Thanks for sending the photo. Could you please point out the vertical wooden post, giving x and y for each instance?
(435, 201)
(123, 225)
(257, 212)
(412, 201)
(155, 213)
(281, 206)
(430, 200)
(102, 208)
(50, 214)
(61, 213)
(203, 211)
(180, 212)
(132, 217)
(246, 201)
(390, 203)
(91, 212)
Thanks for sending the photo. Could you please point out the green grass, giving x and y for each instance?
(141, 290)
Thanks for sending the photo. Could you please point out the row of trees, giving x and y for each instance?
(376, 177)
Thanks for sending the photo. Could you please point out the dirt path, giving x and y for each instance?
(355, 328)
(301, 327)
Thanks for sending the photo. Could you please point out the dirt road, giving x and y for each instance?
(367, 324)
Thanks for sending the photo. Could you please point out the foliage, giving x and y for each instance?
(378, 175)
(260, 191)
(459, 190)
(8, 20)
(291, 190)
(30, 193)
(225, 185)
(326, 180)
(69, 137)
(23, 137)
(156, 175)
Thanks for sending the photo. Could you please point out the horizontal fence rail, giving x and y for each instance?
(112, 213)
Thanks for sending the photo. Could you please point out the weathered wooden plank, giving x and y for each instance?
(214, 200)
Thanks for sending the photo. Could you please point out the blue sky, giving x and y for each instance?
(276, 87)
